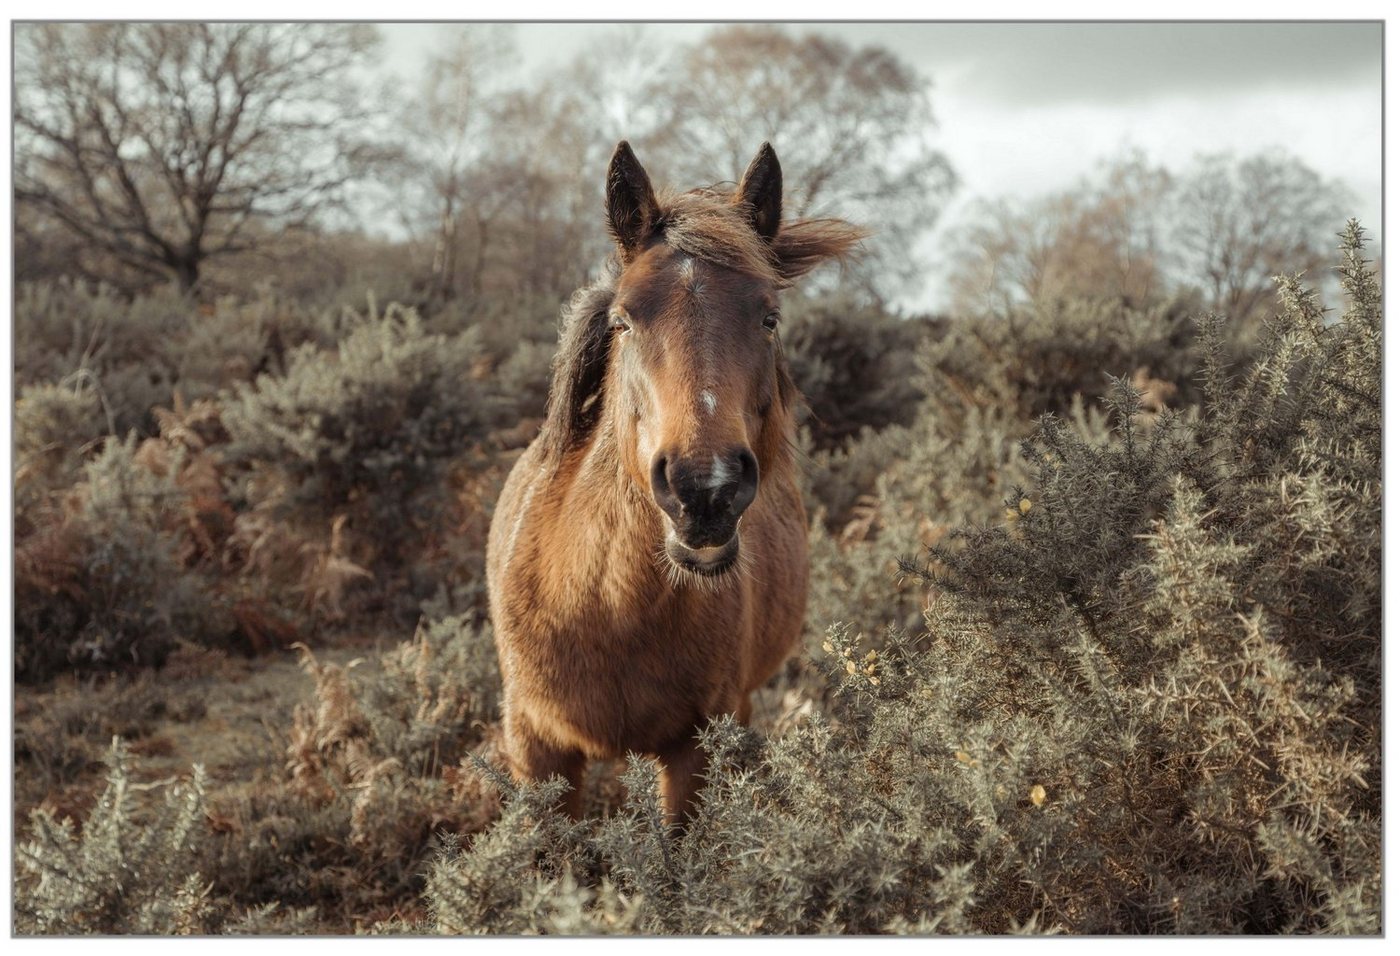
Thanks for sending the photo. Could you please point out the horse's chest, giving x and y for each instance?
(619, 686)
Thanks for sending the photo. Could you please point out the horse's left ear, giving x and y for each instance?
(761, 191)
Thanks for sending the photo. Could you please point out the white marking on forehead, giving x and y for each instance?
(689, 281)
(720, 473)
(707, 398)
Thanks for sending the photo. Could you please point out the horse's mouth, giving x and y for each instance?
(706, 562)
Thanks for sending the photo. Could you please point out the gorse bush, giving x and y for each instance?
(120, 875)
(371, 774)
(119, 346)
(1146, 700)
(432, 695)
(285, 468)
(56, 429)
(853, 363)
(371, 425)
(135, 867)
(423, 705)
(104, 584)
(1092, 644)
(1035, 358)
(896, 492)
(135, 354)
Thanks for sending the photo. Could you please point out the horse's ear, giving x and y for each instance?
(761, 190)
(632, 206)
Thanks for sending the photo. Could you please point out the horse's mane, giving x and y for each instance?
(580, 364)
(705, 223)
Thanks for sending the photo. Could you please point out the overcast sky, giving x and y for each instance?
(1028, 108)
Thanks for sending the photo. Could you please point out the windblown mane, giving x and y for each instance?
(705, 223)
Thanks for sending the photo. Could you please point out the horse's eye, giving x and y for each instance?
(770, 322)
(617, 321)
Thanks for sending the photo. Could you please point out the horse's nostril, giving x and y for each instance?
(748, 466)
(661, 488)
(747, 484)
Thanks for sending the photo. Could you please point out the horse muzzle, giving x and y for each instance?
(704, 561)
(703, 498)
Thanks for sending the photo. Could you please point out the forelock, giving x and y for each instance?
(706, 224)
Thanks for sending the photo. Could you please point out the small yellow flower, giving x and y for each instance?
(1012, 514)
(875, 681)
(826, 646)
(850, 667)
(1025, 505)
(870, 656)
(1037, 795)
(870, 668)
(962, 757)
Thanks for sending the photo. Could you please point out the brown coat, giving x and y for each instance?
(621, 622)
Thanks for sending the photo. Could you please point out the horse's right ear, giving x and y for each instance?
(632, 206)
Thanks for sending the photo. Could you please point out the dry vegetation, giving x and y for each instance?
(1093, 639)
(1144, 698)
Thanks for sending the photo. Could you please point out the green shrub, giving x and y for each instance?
(133, 866)
(1036, 358)
(367, 430)
(56, 429)
(423, 703)
(1146, 699)
(522, 381)
(102, 584)
(371, 774)
(119, 346)
(853, 363)
(121, 874)
(1210, 593)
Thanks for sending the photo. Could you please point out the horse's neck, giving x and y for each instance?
(619, 533)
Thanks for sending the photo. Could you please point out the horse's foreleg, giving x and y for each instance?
(532, 758)
(681, 778)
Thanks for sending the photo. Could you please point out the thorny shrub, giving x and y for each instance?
(1125, 679)
(1145, 699)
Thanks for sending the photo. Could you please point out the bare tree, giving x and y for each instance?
(549, 153)
(1102, 239)
(528, 192)
(560, 134)
(507, 175)
(451, 123)
(167, 144)
(1239, 223)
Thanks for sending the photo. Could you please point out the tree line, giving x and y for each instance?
(205, 153)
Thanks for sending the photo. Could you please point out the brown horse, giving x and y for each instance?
(631, 603)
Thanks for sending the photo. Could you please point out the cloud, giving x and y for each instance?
(1032, 65)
